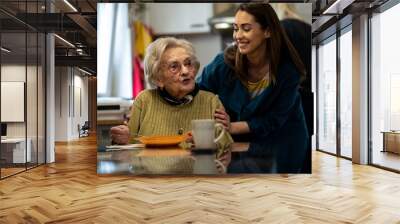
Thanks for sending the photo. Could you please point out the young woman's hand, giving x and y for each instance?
(224, 160)
(222, 117)
(120, 134)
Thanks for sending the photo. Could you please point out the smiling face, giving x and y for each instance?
(177, 72)
(250, 37)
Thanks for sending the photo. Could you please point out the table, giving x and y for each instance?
(391, 141)
(173, 160)
(103, 130)
(156, 161)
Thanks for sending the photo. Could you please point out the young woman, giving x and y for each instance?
(257, 80)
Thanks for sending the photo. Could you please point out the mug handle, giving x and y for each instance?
(221, 165)
(217, 126)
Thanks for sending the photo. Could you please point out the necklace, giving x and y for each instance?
(257, 74)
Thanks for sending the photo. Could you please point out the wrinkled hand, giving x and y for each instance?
(189, 137)
(223, 118)
(120, 134)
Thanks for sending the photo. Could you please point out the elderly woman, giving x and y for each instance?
(171, 66)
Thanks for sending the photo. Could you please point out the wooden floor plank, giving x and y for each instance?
(70, 191)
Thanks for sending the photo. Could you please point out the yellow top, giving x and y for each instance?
(256, 88)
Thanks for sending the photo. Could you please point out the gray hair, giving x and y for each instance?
(156, 49)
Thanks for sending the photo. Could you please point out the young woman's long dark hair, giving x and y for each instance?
(265, 15)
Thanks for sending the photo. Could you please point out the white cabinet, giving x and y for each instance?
(179, 18)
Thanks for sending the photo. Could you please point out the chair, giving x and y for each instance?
(84, 130)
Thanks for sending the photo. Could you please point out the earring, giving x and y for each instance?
(267, 34)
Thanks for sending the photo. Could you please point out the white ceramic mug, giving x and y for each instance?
(204, 133)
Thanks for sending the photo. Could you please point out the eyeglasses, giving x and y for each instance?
(176, 67)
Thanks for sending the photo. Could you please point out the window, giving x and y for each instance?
(327, 96)
(346, 93)
(114, 51)
(385, 84)
(22, 65)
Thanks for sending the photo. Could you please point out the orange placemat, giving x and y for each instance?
(162, 141)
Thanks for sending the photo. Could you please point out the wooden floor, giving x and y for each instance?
(386, 159)
(10, 171)
(69, 191)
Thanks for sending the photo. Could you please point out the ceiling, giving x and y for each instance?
(76, 25)
(75, 21)
(333, 15)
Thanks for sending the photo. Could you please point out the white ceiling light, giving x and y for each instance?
(65, 41)
(331, 7)
(222, 25)
(70, 5)
(5, 50)
(338, 6)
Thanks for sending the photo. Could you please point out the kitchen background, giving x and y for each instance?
(123, 39)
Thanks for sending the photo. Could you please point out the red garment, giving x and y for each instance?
(138, 77)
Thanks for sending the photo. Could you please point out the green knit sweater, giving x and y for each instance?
(151, 115)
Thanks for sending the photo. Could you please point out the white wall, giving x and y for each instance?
(34, 124)
(80, 110)
(71, 94)
(16, 73)
(207, 47)
(61, 82)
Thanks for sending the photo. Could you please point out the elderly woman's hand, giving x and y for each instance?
(222, 117)
(120, 134)
(189, 137)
